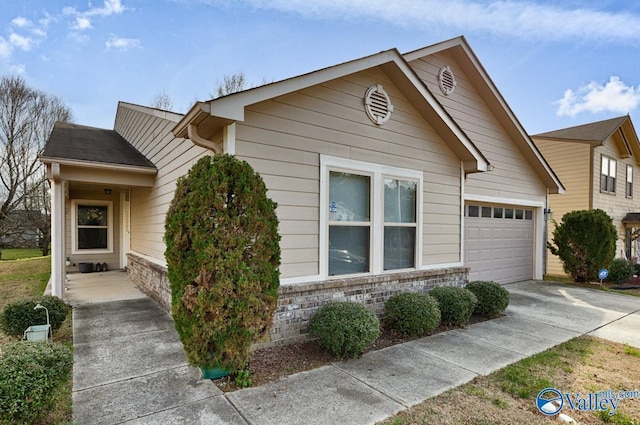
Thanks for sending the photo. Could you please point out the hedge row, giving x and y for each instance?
(347, 329)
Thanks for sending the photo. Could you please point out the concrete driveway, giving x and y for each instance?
(129, 365)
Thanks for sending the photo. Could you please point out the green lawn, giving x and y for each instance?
(9, 254)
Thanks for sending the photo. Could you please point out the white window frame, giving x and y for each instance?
(74, 226)
(611, 173)
(629, 182)
(378, 173)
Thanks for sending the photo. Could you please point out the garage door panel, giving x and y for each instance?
(499, 249)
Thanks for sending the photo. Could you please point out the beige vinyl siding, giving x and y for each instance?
(149, 131)
(512, 177)
(572, 164)
(283, 138)
(112, 259)
(618, 205)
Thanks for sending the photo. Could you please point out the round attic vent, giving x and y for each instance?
(378, 104)
(446, 80)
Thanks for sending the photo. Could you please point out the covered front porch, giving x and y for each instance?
(91, 172)
(100, 287)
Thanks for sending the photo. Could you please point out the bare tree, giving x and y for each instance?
(162, 101)
(230, 84)
(26, 119)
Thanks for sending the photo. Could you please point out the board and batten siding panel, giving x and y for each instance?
(512, 176)
(572, 164)
(615, 205)
(151, 135)
(283, 138)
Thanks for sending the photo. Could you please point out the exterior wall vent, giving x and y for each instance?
(446, 80)
(378, 104)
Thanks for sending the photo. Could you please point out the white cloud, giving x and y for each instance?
(595, 97)
(81, 23)
(523, 19)
(19, 69)
(5, 48)
(21, 22)
(21, 42)
(111, 7)
(120, 43)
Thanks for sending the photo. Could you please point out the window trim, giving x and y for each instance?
(608, 175)
(378, 173)
(74, 226)
(628, 187)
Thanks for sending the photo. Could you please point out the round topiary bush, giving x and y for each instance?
(30, 374)
(18, 316)
(412, 314)
(223, 254)
(456, 304)
(345, 329)
(493, 299)
(620, 270)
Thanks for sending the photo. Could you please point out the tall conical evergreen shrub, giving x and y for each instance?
(585, 242)
(223, 254)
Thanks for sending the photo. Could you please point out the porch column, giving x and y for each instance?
(58, 274)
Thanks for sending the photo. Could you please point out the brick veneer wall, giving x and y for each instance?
(297, 303)
(150, 278)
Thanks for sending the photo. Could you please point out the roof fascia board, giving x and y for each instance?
(99, 165)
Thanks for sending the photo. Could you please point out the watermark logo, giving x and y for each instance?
(550, 401)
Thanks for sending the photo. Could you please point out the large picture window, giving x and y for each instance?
(91, 227)
(371, 217)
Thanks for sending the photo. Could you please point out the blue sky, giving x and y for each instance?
(557, 63)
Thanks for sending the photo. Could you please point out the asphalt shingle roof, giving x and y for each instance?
(82, 143)
(595, 131)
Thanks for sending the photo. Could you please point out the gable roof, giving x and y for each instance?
(592, 132)
(460, 49)
(210, 117)
(620, 130)
(73, 143)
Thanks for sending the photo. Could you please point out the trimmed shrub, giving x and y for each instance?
(30, 374)
(585, 242)
(412, 314)
(223, 254)
(493, 299)
(456, 304)
(620, 270)
(345, 329)
(18, 316)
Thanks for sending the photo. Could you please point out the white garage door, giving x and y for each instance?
(498, 243)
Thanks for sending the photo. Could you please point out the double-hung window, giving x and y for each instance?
(92, 227)
(629, 185)
(608, 175)
(369, 222)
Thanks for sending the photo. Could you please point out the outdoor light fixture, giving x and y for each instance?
(548, 214)
(107, 191)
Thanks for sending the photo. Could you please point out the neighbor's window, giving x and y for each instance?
(608, 175)
(372, 220)
(629, 186)
(92, 226)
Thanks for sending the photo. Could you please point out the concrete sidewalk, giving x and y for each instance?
(129, 366)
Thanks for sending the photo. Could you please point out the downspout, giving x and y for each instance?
(192, 133)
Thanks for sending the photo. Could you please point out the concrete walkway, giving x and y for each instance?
(129, 366)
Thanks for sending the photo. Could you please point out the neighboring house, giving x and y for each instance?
(391, 172)
(20, 229)
(598, 163)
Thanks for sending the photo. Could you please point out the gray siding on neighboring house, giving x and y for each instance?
(284, 137)
(149, 131)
